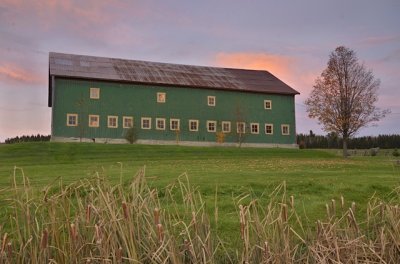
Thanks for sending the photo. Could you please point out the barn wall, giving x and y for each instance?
(119, 99)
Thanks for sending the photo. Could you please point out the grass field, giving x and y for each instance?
(225, 177)
(313, 177)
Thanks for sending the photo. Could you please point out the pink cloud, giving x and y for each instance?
(15, 73)
(279, 65)
(288, 69)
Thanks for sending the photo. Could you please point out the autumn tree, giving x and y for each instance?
(344, 97)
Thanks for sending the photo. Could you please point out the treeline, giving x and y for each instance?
(27, 138)
(332, 140)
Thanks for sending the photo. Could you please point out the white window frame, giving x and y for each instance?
(174, 120)
(272, 129)
(142, 122)
(244, 128)
(97, 124)
(256, 125)
(116, 121)
(209, 122)
(211, 100)
(288, 129)
(190, 125)
(124, 119)
(161, 97)
(229, 126)
(76, 120)
(94, 93)
(161, 120)
(270, 104)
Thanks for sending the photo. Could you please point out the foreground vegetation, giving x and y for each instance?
(93, 221)
(97, 176)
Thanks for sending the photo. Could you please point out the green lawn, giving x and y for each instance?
(314, 177)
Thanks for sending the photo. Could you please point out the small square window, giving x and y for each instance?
(267, 104)
(72, 119)
(112, 121)
(161, 97)
(127, 122)
(93, 121)
(146, 122)
(285, 129)
(269, 129)
(211, 100)
(94, 93)
(254, 128)
(193, 125)
(226, 126)
(241, 127)
(174, 124)
(211, 126)
(160, 123)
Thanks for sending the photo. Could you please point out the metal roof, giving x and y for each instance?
(156, 73)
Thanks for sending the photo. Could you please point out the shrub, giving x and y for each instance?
(396, 153)
(130, 135)
(374, 151)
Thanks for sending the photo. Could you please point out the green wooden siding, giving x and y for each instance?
(119, 99)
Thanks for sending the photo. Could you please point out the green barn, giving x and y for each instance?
(96, 99)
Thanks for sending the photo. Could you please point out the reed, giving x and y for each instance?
(93, 221)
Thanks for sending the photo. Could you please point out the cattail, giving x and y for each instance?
(292, 201)
(73, 232)
(97, 233)
(242, 220)
(194, 221)
(160, 233)
(9, 249)
(333, 203)
(328, 213)
(342, 201)
(156, 216)
(3, 245)
(118, 255)
(382, 210)
(88, 210)
(125, 209)
(284, 213)
(266, 252)
(319, 228)
(45, 238)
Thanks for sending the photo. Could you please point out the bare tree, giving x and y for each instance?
(344, 96)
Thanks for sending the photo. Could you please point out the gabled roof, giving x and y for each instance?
(156, 73)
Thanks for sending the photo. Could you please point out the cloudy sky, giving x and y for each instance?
(291, 39)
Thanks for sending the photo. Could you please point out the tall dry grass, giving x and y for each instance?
(93, 221)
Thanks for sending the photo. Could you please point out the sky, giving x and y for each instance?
(291, 39)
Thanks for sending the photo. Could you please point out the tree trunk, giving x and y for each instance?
(345, 147)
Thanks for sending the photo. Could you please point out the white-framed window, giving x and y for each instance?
(269, 129)
(211, 126)
(161, 97)
(211, 100)
(267, 104)
(160, 123)
(254, 128)
(127, 122)
(226, 126)
(193, 125)
(72, 119)
(112, 121)
(241, 127)
(174, 124)
(285, 129)
(146, 122)
(94, 120)
(94, 93)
